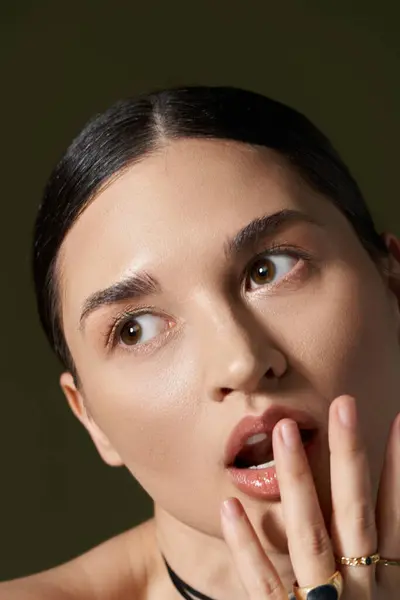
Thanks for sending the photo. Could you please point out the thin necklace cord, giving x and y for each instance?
(185, 590)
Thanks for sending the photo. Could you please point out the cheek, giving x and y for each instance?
(337, 335)
(147, 411)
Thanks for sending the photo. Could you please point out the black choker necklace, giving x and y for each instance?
(186, 590)
(183, 588)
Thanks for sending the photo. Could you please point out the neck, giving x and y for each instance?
(204, 561)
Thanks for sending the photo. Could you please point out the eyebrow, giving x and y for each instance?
(264, 227)
(136, 285)
(142, 284)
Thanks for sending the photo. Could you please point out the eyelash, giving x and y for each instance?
(277, 250)
(123, 317)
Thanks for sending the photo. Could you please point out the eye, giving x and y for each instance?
(140, 329)
(267, 269)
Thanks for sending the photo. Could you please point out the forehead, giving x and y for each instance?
(182, 201)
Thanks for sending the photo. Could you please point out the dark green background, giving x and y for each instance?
(337, 61)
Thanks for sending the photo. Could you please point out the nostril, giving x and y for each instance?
(270, 374)
(226, 391)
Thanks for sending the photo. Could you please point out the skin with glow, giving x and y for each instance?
(221, 339)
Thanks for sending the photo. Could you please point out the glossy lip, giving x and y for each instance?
(265, 423)
(263, 483)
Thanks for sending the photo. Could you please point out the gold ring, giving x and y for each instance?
(388, 562)
(359, 561)
(334, 585)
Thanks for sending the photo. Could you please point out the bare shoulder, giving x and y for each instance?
(115, 570)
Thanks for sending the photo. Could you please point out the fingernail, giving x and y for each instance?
(347, 412)
(232, 508)
(290, 435)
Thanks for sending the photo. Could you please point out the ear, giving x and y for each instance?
(392, 265)
(78, 406)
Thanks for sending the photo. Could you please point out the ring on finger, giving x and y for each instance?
(358, 561)
(389, 562)
(330, 590)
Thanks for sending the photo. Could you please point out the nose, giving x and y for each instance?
(241, 357)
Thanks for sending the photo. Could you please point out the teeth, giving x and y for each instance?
(271, 463)
(255, 439)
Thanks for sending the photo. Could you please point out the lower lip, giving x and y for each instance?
(261, 483)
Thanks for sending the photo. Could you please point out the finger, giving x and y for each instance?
(309, 544)
(353, 514)
(388, 505)
(257, 573)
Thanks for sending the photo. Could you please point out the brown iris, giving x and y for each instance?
(130, 333)
(262, 271)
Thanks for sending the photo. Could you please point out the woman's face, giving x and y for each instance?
(207, 337)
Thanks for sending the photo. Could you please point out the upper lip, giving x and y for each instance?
(264, 423)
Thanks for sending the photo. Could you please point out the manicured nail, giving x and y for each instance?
(290, 435)
(232, 508)
(348, 412)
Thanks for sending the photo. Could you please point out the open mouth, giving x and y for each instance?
(257, 452)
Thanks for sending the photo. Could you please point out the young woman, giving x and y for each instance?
(228, 320)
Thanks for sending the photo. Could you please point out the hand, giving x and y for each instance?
(357, 528)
